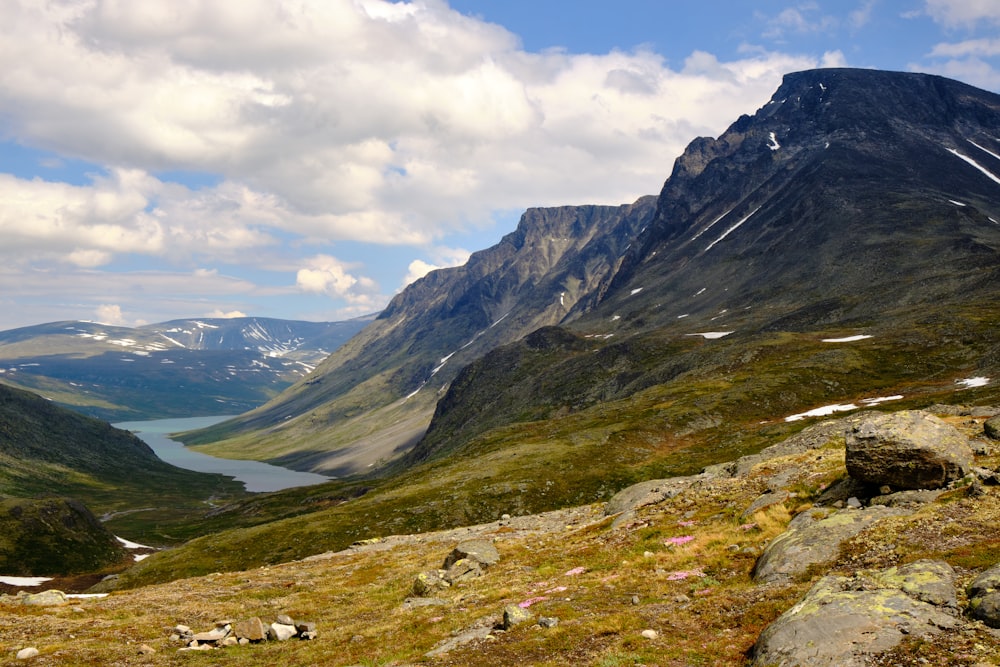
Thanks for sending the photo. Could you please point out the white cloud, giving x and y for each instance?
(110, 314)
(335, 120)
(963, 13)
(803, 18)
(324, 274)
(986, 48)
(227, 315)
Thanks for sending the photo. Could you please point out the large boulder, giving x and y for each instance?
(812, 538)
(907, 450)
(984, 597)
(479, 551)
(843, 621)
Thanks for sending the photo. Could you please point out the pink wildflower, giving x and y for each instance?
(686, 524)
(748, 526)
(530, 601)
(677, 541)
(575, 571)
(557, 589)
(684, 574)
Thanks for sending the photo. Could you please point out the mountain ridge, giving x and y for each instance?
(826, 210)
(131, 373)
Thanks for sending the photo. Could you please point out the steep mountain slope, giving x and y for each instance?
(849, 192)
(179, 368)
(854, 202)
(374, 397)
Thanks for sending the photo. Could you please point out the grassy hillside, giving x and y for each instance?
(680, 567)
(725, 398)
(46, 449)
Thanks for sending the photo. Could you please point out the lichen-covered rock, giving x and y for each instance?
(814, 537)
(984, 597)
(842, 621)
(478, 551)
(428, 583)
(909, 449)
(515, 615)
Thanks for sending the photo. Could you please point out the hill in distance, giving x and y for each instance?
(181, 368)
(47, 450)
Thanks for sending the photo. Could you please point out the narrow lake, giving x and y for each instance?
(256, 476)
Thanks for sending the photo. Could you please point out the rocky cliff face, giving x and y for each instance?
(552, 268)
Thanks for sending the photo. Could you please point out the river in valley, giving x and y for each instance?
(255, 475)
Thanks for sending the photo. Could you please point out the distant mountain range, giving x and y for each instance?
(179, 368)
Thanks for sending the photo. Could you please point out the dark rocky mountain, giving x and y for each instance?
(854, 203)
(173, 369)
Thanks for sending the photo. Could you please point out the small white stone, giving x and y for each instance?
(27, 653)
(650, 634)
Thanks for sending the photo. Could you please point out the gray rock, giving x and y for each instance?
(909, 449)
(462, 569)
(477, 551)
(625, 502)
(281, 632)
(302, 628)
(984, 597)
(460, 639)
(907, 498)
(428, 583)
(284, 619)
(251, 629)
(214, 635)
(415, 602)
(842, 622)
(50, 598)
(763, 502)
(27, 653)
(814, 537)
(515, 615)
(548, 621)
(991, 427)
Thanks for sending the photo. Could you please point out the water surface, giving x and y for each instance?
(255, 475)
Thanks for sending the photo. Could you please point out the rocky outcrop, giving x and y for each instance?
(984, 597)
(841, 619)
(907, 450)
(240, 633)
(812, 538)
(466, 561)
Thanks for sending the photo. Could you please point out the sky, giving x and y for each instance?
(306, 159)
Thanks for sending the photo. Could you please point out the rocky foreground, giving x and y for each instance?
(867, 540)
